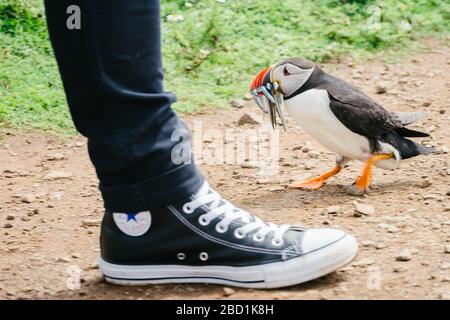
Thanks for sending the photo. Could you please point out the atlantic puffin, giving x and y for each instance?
(339, 116)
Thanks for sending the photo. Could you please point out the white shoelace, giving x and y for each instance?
(217, 207)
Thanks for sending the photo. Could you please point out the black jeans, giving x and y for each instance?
(112, 74)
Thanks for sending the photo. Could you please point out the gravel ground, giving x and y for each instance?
(50, 208)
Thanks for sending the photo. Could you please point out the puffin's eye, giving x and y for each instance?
(285, 71)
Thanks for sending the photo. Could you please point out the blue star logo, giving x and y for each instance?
(131, 216)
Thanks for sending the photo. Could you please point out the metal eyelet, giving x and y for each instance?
(181, 256)
(258, 238)
(203, 256)
(220, 228)
(239, 234)
(187, 208)
(203, 221)
(277, 242)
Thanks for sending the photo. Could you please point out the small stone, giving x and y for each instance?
(431, 198)
(356, 74)
(63, 259)
(404, 255)
(247, 165)
(28, 198)
(445, 278)
(399, 269)
(368, 243)
(380, 87)
(247, 119)
(93, 266)
(248, 96)
(90, 222)
(364, 209)
(10, 217)
(55, 157)
(76, 255)
(444, 266)
(79, 144)
(276, 189)
(263, 181)
(57, 195)
(32, 213)
(11, 293)
(333, 209)
(308, 166)
(363, 262)
(7, 226)
(91, 278)
(426, 103)
(389, 227)
(228, 291)
(381, 245)
(447, 248)
(237, 103)
(289, 164)
(424, 183)
(25, 218)
(55, 175)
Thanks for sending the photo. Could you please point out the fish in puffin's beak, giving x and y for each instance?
(268, 97)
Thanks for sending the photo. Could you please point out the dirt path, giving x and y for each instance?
(49, 223)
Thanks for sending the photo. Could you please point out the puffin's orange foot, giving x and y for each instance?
(312, 184)
(363, 183)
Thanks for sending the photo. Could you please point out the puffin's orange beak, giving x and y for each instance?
(267, 97)
(261, 78)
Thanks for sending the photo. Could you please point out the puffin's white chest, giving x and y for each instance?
(311, 110)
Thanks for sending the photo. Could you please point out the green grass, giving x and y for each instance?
(213, 54)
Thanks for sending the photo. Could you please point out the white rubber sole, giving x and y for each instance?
(272, 275)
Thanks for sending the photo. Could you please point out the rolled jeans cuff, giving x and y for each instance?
(168, 188)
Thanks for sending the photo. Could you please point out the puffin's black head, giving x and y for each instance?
(278, 81)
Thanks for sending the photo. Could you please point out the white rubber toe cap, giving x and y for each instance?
(315, 239)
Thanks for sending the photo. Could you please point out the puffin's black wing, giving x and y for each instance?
(357, 111)
(362, 119)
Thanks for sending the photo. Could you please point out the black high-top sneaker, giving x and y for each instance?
(208, 240)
